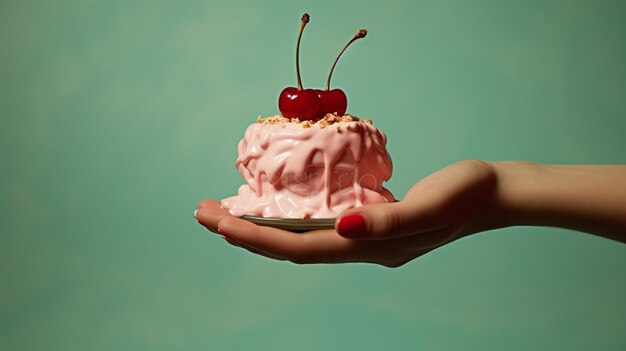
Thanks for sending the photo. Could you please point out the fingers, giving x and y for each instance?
(310, 247)
(209, 213)
(250, 249)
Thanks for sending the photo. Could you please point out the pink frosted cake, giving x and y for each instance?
(306, 169)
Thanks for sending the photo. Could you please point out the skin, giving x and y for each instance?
(465, 198)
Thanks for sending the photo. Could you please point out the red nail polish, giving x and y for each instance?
(352, 225)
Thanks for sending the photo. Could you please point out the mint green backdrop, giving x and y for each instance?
(118, 117)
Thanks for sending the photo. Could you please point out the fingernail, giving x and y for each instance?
(230, 241)
(195, 213)
(353, 225)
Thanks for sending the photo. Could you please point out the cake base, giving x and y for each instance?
(299, 170)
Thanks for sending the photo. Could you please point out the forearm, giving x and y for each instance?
(585, 198)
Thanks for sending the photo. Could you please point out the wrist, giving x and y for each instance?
(519, 187)
(487, 210)
(510, 201)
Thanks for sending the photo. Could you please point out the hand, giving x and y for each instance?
(446, 205)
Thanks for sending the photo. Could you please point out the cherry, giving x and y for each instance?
(335, 101)
(297, 102)
(332, 101)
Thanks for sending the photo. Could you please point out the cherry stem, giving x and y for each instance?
(305, 20)
(360, 34)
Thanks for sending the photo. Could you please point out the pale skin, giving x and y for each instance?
(465, 198)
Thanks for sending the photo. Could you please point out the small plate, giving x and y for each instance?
(293, 224)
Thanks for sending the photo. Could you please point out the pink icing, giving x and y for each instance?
(296, 172)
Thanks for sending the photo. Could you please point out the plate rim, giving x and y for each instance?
(293, 224)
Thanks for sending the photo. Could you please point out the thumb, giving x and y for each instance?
(387, 221)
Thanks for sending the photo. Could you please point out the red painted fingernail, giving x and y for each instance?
(351, 226)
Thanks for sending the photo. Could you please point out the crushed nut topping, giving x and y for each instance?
(328, 120)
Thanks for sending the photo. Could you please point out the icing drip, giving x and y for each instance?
(296, 172)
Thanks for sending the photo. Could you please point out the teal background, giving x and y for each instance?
(118, 117)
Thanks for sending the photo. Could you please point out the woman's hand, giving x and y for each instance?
(448, 204)
(465, 198)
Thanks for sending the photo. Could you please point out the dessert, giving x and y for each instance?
(313, 161)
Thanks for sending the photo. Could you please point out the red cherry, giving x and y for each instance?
(297, 102)
(332, 101)
(303, 104)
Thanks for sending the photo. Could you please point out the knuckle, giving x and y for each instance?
(396, 263)
(478, 165)
(301, 259)
(472, 163)
(204, 203)
(389, 222)
(392, 264)
(299, 253)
